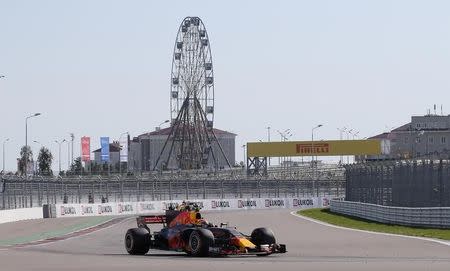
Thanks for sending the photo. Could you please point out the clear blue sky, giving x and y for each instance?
(100, 68)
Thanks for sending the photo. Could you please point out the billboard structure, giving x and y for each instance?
(104, 142)
(85, 149)
(316, 148)
(257, 152)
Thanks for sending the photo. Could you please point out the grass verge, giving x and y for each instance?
(91, 222)
(325, 215)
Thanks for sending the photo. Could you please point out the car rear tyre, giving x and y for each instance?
(200, 241)
(137, 241)
(262, 236)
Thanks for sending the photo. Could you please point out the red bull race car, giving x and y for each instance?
(185, 230)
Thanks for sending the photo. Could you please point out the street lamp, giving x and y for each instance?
(72, 137)
(37, 142)
(26, 139)
(4, 142)
(120, 157)
(284, 134)
(245, 158)
(59, 151)
(348, 132)
(341, 131)
(284, 137)
(68, 155)
(312, 156)
(312, 142)
(159, 126)
(268, 137)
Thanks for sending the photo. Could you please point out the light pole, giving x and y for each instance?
(268, 138)
(26, 139)
(59, 151)
(4, 142)
(312, 157)
(281, 139)
(120, 158)
(355, 136)
(312, 142)
(68, 155)
(341, 130)
(284, 137)
(159, 126)
(245, 158)
(348, 138)
(72, 137)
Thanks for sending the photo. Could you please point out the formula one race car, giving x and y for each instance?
(186, 231)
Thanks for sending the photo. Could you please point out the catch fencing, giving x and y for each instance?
(437, 217)
(421, 183)
(26, 193)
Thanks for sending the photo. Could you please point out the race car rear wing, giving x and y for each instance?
(144, 220)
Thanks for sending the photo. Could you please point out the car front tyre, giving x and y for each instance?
(200, 241)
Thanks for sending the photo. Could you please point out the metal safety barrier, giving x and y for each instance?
(27, 193)
(433, 217)
(405, 183)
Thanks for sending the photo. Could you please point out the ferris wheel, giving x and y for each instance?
(191, 142)
(192, 70)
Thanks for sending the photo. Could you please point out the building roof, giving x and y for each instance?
(380, 136)
(405, 127)
(112, 148)
(166, 131)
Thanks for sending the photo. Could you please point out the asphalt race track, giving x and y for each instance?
(311, 246)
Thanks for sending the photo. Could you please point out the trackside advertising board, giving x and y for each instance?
(317, 148)
(152, 207)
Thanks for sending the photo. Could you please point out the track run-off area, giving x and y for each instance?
(310, 245)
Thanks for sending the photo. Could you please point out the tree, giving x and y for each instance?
(45, 159)
(76, 167)
(26, 158)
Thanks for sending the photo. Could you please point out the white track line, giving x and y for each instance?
(446, 243)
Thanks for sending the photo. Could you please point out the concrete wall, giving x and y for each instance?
(20, 214)
(151, 146)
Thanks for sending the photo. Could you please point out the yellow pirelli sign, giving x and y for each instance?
(316, 148)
